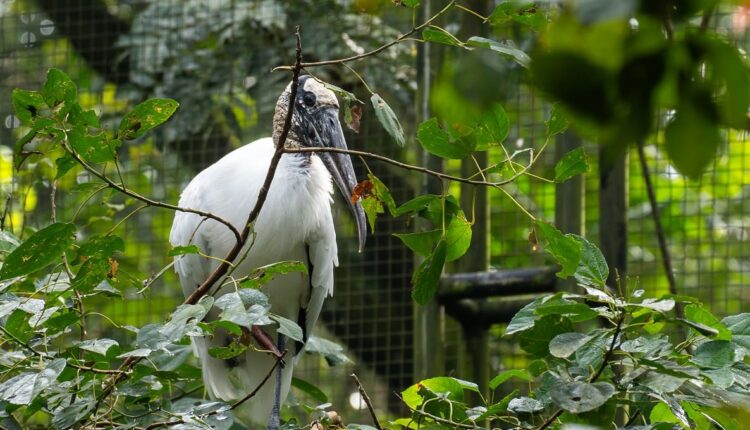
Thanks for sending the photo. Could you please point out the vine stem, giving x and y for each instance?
(407, 166)
(374, 51)
(367, 400)
(666, 258)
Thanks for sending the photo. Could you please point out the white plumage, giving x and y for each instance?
(294, 224)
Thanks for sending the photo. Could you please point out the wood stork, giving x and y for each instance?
(295, 223)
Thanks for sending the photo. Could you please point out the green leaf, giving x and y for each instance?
(426, 277)
(145, 116)
(437, 34)
(493, 128)
(226, 352)
(331, 351)
(39, 250)
(98, 346)
(103, 246)
(8, 241)
(184, 319)
(573, 163)
(92, 272)
(79, 116)
(507, 49)
(59, 89)
(556, 123)
(565, 344)
(739, 325)
(692, 138)
(592, 269)
(310, 389)
(288, 327)
(566, 249)
(410, 3)
(577, 397)
(525, 318)
(382, 193)
(439, 385)
(64, 164)
(457, 237)
(27, 105)
(94, 148)
(264, 274)
(372, 207)
(417, 204)
(388, 119)
(702, 316)
(715, 354)
(525, 405)
(233, 310)
(70, 415)
(536, 340)
(421, 243)
(24, 388)
(507, 374)
(182, 250)
(437, 141)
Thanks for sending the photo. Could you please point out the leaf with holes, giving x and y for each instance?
(59, 92)
(94, 148)
(388, 119)
(27, 105)
(183, 250)
(145, 116)
(577, 397)
(39, 250)
(264, 274)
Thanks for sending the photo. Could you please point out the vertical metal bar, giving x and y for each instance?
(428, 334)
(613, 206)
(474, 358)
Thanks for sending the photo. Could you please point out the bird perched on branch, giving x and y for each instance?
(295, 223)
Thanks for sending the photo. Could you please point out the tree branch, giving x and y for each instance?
(420, 169)
(374, 51)
(224, 266)
(367, 400)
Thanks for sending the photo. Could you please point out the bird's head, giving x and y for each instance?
(315, 123)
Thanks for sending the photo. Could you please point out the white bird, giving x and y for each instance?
(295, 223)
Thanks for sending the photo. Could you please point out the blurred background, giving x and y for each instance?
(215, 57)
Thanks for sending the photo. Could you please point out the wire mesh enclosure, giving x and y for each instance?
(215, 58)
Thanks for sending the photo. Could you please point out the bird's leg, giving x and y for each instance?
(275, 421)
(264, 340)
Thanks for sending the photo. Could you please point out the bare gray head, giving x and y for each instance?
(315, 124)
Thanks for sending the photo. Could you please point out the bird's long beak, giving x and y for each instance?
(340, 166)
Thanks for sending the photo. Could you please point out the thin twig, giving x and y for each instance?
(406, 166)
(250, 395)
(130, 193)
(663, 247)
(234, 405)
(374, 51)
(366, 398)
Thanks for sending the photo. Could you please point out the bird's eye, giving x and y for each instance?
(309, 99)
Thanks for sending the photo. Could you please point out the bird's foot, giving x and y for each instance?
(264, 340)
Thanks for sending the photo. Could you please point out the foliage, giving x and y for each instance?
(600, 358)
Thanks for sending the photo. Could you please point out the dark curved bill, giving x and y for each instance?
(340, 166)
